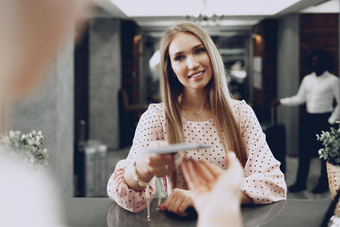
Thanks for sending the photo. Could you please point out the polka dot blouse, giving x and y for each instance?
(263, 182)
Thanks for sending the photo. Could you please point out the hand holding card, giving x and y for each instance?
(178, 148)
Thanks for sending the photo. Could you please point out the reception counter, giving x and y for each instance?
(99, 212)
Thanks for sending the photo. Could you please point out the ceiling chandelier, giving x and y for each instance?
(205, 17)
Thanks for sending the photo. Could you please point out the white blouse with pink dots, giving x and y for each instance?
(263, 182)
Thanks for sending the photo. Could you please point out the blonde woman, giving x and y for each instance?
(196, 108)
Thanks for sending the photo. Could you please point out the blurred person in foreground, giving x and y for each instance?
(318, 91)
(31, 32)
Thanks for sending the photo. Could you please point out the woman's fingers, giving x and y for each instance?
(167, 205)
(161, 165)
(181, 209)
(161, 159)
(177, 202)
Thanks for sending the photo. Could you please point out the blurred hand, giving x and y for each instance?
(216, 193)
(178, 202)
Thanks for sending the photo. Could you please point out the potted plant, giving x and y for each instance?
(331, 153)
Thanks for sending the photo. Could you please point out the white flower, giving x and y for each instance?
(26, 146)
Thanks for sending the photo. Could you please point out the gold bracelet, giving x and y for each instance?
(136, 177)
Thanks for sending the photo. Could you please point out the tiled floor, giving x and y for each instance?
(291, 166)
(314, 173)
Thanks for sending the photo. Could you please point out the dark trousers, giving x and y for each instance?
(311, 125)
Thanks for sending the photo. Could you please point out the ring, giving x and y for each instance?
(166, 167)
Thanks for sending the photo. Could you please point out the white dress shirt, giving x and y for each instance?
(318, 93)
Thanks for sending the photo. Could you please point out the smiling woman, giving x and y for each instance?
(190, 62)
(196, 108)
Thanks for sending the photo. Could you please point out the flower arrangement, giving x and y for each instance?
(26, 146)
(331, 142)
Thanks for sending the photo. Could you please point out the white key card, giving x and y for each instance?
(173, 148)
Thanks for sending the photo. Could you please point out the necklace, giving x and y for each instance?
(198, 113)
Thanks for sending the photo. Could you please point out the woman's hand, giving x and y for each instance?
(158, 165)
(216, 193)
(178, 201)
(150, 165)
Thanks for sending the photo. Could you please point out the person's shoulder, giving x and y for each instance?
(239, 106)
(156, 109)
(309, 76)
(332, 76)
(238, 103)
(242, 111)
(156, 106)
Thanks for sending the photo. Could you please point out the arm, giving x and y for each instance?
(121, 190)
(336, 112)
(297, 99)
(264, 182)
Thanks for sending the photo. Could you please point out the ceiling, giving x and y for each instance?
(179, 8)
(155, 15)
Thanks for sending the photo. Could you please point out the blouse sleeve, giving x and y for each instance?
(264, 182)
(149, 129)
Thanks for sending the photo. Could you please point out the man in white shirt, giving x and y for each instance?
(318, 90)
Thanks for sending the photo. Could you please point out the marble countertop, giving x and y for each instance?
(97, 212)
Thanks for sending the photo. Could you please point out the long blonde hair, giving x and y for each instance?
(219, 96)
